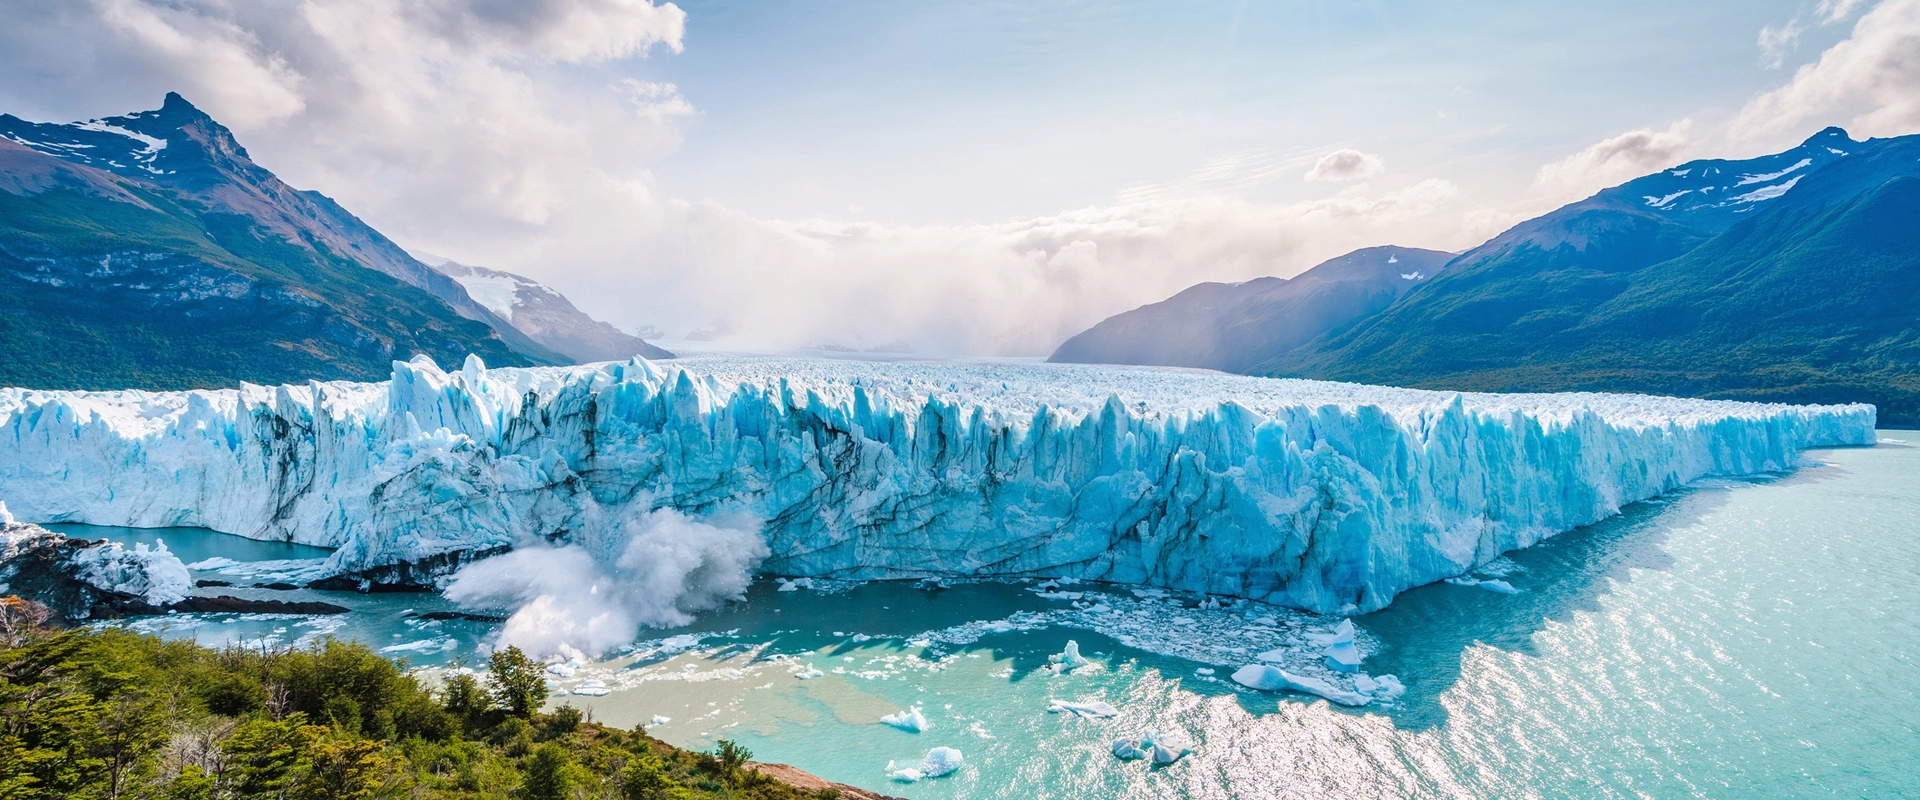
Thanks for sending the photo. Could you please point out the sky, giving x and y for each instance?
(959, 178)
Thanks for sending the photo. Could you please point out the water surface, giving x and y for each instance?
(1738, 639)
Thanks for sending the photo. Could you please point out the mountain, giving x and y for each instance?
(1237, 326)
(545, 315)
(150, 250)
(1792, 277)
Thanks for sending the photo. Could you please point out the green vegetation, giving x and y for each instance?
(109, 714)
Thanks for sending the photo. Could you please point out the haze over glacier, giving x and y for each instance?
(1323, 496)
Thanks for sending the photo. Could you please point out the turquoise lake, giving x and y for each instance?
(1736, 639)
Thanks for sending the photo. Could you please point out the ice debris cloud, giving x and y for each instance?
(587, 597)
(1315, 495)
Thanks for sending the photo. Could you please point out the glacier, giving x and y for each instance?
(1322, 496)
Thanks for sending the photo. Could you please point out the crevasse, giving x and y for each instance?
(1309, 494)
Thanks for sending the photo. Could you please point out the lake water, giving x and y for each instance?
(1733, 640)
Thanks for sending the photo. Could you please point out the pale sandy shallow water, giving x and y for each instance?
(1746, 639)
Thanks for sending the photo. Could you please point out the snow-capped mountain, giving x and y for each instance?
(1792, 276)
(544, 314)
(149, 249)
(1712, 194)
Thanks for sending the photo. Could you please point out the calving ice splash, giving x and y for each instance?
(645, 491)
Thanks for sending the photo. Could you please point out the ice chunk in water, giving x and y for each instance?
(1387, 688)
(809, 673)
(1169, 747)
(592, 689)
(1266, 677)
(660, 720)
(1164, 747)
(941, 761)
(910, 720)
(1495, 585)
(1096, 709)
(1069, 659)
(906, 775)
(1341, 654)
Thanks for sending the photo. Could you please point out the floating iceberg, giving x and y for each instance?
(1384, 688)
(1492, 585)
(938, 762)
(1096, 709)
(1340, 653)
(1312, 495)
(1169, 747)
(1269, 678)
(1069, 659)
(941, 761)
(592, 689)
(910, 720)
(1164, 747)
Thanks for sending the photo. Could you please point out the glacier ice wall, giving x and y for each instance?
(1315, 495)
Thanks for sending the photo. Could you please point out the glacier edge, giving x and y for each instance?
(1328, 497)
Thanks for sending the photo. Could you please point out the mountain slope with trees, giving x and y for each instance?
(149, 251)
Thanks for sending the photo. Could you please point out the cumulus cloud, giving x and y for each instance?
(1345, 165)
(1614, 160)
(440, 113)
(1869, 81)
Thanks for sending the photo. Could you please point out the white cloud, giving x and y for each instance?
(1776, 43)
(1613, 160)
(1345, 165)
(1833, 11)
(483, 130)
(1870, 82)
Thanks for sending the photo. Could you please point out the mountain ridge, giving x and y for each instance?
(1230, 326)
(544, 314)
(1659, 284)
(148, 250)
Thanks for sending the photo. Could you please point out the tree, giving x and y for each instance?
(549, 773)
(519, 685)
(732, 756)
(349, 769)
(132, 730)
(265, 757)
(465, 701)
(646, 778)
